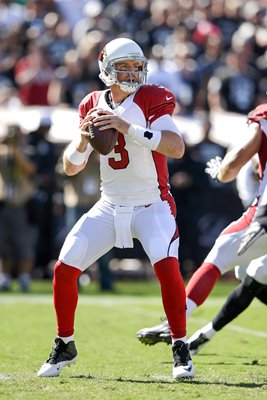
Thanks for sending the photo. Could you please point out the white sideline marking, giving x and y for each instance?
(128, 300)
(106, 301)
(4, 377)
(101, 300)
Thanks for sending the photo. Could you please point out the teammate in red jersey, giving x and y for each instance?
(135, 202)
(258, 227)
(225, 254)
(253, 277)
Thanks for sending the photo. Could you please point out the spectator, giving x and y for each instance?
(33, 74)
(208, 61)
(187, 177)
(234, 86)
(226, 16)
(201, 33)
(9, 98)
(215, 215)
(41, 203)
(17, 233)
(58, 39)
(70, 84)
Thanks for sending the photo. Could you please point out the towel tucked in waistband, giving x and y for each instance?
(122, 223)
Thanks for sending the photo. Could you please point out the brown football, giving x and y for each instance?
(102, 141)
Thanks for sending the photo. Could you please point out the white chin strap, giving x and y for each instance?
(128, 88)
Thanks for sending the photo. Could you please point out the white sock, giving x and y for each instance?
(67, 339)
(208, 330)
(190, 306)
(183, 339)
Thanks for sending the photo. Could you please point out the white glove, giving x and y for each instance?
(213, 167)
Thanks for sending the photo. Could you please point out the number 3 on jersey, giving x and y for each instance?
(124, 156)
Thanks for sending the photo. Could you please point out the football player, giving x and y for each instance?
(135, 196)
(258, 226)
(224, 256)
(254, 284)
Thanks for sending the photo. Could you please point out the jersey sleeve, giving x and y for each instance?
(87, 103)
(155, 101)
(260, 112)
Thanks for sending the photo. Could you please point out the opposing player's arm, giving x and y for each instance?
(239, 156)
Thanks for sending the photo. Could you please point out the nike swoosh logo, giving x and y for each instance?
(189, 368)
(168, 98)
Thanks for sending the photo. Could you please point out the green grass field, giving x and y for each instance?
(112, 364)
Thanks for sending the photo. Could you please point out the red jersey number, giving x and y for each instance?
(120, 149)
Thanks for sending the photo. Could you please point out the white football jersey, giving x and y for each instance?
(262, 192)
(260, 115)
(224, 253)
(133, 175)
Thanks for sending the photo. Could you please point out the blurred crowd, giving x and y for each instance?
(212, 54)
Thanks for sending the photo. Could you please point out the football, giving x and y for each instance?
(102, 141)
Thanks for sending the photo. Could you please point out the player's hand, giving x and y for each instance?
(213, 167)
(109, 120)
(87, 121)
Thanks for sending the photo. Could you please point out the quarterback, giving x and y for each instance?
(135, 196)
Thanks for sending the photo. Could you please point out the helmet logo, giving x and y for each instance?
(102, 55)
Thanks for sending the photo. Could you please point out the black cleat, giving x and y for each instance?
(155, 334)
(196, 342)
(62, 354)
(182, 364)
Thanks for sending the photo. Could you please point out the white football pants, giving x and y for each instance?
(224, 255)
(94, 234)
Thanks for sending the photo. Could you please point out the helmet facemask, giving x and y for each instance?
(131, 85)
(122, 50)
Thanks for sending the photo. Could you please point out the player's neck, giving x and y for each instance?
(117, 95)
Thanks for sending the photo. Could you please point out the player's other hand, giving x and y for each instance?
(213, 167)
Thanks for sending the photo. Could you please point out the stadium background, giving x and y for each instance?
(211, 54)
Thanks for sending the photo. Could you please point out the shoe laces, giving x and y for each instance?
(57, 349)
(181, 353)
